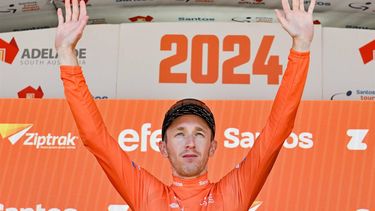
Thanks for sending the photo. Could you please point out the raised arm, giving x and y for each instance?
(249, 178)
(127, 178)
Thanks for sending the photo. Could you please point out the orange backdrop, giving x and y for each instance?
(328, 162)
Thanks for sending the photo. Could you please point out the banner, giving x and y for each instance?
(349, 66)
(210, 61)
(31, 69)
(202, 60)
(18, 15)
(327, 163)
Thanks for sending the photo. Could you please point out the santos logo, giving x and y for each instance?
(130, 139)
(14, 132)
(39, 207)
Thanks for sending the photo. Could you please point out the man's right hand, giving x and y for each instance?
(68, 33)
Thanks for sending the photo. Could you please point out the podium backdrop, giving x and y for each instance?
(327, 163)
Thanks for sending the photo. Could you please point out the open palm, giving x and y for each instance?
(69, 32)
(296, 20)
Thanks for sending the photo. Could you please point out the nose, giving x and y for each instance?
(190, 142)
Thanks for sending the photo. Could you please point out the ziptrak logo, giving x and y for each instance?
(15, 132)
(8, 51)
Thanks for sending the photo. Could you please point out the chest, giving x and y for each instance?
(205, 200)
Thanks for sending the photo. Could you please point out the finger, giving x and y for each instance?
(281, 17)
(68, 11)
(312, 6)
(60, 17)
(82, 24)
(75, 10)
(83, 11)
(302, 5)
(295, 5)
(286, 6)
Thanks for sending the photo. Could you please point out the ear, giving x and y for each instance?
(163, 148)
(212, 148)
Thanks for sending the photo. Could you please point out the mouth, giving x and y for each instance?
(189, 156)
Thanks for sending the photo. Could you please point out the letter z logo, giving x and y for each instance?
(357, 138)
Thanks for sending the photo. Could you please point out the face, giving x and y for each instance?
(188, 146)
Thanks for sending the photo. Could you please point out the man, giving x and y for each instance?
(188, 129)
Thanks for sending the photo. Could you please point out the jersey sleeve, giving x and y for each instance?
(247, 180)
(129, 179)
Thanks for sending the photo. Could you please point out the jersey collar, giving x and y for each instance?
(195, 182)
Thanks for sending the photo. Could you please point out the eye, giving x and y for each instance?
(201, 134)
(179, 134)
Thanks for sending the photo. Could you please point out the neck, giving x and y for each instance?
(176, 174)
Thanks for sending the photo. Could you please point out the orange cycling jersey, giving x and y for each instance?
(235, 191)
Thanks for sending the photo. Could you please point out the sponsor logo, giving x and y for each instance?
(47, 56)
(31, 28)
(14, 133)
(361, 6)
(8, 9)
(38, 207)
(97, 21)
(29, 6)
(24, 6)
(251, 2)
(255, 205)
(362, 94)
(141, 19)
(317, 22)
(207, 200)
(34, 56)
(29, 93)
(204, 1)
(348, 93)
(357, 138)
(8, 51)
(100, 97)
(118, 207)
(119, 1)
(357, 27)
(174, 205)
(196, 1)
(367, 52)
(195, 19)
(253, 19)
(131, 139)
(366, 94)
(235, 138)
(319, 3)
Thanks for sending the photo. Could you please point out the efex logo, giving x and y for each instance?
(14, 132)
(8, 51)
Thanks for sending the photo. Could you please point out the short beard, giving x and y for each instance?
(192, 170)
